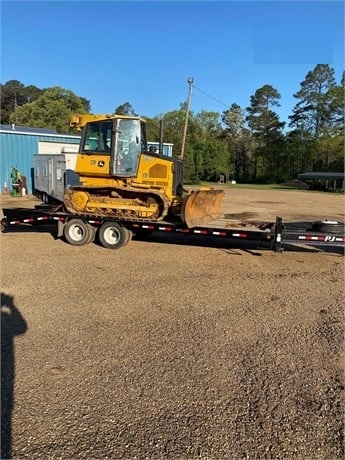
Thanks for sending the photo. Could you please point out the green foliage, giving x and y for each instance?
(52, 109)
(247, 145)
(192, 166)
(125, 109)
(317, 101)
(215, 159)
(266, 129)
(319, 118)
(211, 156)
(263, 121)
(173, 129)
(152, 129)
(13, 95)
(241, 145)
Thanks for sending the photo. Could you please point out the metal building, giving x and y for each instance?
(19, 144)
(167, 147)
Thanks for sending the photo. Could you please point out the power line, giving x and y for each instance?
(211, 97)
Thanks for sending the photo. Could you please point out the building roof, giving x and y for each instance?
(25, 129)
(321, 175)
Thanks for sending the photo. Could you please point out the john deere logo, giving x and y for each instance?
(101, 164)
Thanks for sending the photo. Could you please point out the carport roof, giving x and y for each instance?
(321, 175)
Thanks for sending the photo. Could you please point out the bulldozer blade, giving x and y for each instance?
(201, 207)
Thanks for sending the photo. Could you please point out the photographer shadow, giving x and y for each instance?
(12, 324)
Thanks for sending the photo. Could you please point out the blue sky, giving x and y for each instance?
(143, 52)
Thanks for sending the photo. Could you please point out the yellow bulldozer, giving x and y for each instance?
(117, 176)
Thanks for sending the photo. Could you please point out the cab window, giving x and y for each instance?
(97, 137)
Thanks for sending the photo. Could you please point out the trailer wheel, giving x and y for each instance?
(328, 226)
(113, 236)
(78, 233)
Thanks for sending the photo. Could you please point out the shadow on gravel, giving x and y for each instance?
(37, 228)
(232, 246)
(237, 246)
(314, 247)
(12, 324)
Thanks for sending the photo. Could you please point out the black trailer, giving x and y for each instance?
(111, 233)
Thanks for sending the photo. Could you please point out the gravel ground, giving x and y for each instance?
(163, 350)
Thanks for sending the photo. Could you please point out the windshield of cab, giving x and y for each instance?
(127, 147)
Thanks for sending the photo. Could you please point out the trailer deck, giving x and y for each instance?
(117, 233)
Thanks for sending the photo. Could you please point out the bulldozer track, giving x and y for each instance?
(119, 203)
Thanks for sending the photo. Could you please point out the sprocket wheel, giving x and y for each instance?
(77, 199)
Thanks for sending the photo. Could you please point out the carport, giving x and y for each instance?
(321, 180)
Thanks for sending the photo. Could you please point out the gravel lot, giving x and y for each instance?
(163, 350)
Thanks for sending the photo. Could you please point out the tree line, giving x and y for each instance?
(248, 144)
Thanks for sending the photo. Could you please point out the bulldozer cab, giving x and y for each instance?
(120, 139)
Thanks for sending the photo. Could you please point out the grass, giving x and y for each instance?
(250, 186)
(264, 187)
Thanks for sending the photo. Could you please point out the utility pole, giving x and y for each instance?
(190, 82)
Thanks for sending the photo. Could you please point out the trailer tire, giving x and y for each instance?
(129, 235)
(328, 226)
(92, 231)
(78, 232)
(112, 235)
